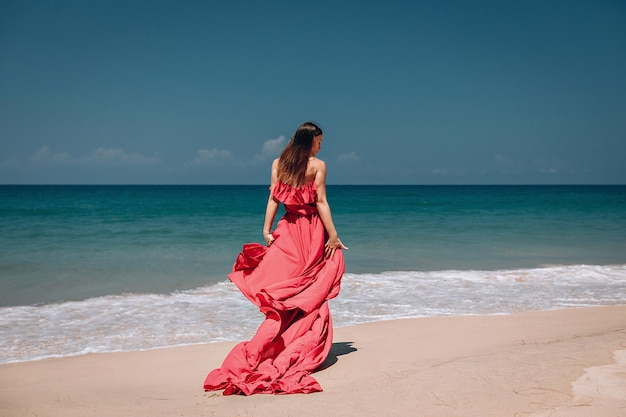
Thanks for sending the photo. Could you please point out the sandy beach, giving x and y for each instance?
(555, 363)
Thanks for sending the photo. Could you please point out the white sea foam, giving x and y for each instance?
(219, 312)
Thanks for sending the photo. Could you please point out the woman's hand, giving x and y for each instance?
(332, 244)
(269, 238)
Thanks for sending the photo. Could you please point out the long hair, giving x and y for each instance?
(294, 158)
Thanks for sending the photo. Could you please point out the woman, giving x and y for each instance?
(290, 280)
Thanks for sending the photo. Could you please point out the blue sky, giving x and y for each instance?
(407, 92)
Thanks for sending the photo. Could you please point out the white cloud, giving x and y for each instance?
(45, 155)
(507, 164)
(540, 165)
(271, 148)
(211, 156)
(350, 156)
(104, 156)
(42, 154)
(99, 157)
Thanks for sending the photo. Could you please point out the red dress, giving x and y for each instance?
(291, 282)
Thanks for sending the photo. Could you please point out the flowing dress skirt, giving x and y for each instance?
(291, 282)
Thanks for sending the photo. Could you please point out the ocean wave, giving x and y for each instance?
(218, 312)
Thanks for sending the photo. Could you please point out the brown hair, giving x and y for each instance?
(294, 158)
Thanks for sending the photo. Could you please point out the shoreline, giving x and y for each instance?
(566, 362)
(260, 319)
(218, 312)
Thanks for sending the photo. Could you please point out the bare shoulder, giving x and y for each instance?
(317, 163)
(275, 164)
(316, 167)
(274, 173)
(316, 170)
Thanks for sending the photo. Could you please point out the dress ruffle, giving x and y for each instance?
(250, 257)
(290, 195)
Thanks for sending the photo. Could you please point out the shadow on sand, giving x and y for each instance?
(338, 349)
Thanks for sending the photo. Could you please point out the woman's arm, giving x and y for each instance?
(272, 206)
(323, 209)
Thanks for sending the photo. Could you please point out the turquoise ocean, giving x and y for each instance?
(116, 268)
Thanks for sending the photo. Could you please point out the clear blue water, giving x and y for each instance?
(101, 268)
